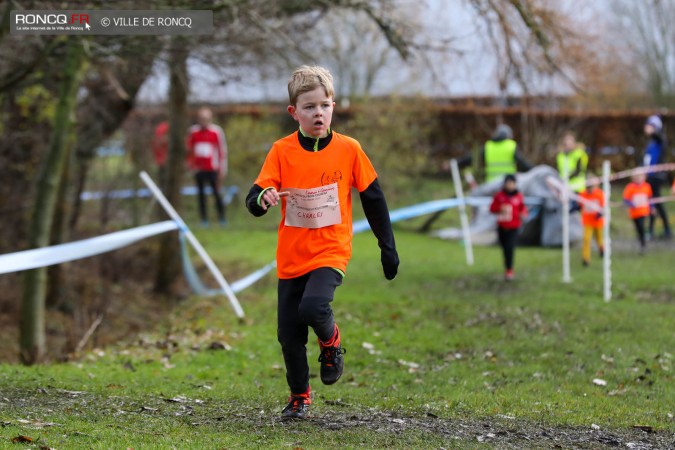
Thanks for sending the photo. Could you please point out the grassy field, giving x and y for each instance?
(437, 358)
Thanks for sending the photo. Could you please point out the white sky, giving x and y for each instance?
(467, 71)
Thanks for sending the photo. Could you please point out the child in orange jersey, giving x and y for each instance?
(591, 219)
(636, 196)
(314, 171)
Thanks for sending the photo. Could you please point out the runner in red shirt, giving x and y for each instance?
(207, 158)
(510, 208)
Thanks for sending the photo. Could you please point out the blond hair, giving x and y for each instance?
(308, 78)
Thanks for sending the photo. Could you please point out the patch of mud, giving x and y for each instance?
(499, 432)
(502, 432)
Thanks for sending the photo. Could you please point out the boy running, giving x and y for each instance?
(636, 196)
(314, 170)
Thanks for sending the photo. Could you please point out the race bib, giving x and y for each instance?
(313, 208)
(203, 150)
(505, 213)
(640, 200)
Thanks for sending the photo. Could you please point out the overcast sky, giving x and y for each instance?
(468, 70)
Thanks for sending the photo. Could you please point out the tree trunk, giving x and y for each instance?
(32, 336)
(168, 259)
(56, 277)
(111, 98)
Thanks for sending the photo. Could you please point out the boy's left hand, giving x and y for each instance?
(390, 263)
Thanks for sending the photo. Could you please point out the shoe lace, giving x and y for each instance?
(328, 355)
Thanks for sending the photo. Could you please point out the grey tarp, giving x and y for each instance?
(544, 224)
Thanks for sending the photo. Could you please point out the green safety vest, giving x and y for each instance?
(500, 159)
(577, 183)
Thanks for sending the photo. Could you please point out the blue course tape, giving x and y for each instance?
(359, 226)
(228, 195)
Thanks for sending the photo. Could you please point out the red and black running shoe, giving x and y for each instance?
(331, 359)
(298, 406)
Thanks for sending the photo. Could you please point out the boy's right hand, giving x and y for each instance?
(271, 198)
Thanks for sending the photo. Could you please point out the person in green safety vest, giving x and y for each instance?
(500, 156)
(574, 153)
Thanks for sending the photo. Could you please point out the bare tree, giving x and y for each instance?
(32, 338)
(647, 29)
(179, 85)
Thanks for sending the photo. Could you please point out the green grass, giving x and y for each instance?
(445, 340)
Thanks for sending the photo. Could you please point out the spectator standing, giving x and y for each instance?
(500, 156)
(573, 154)
(654, 154)
(207, 158)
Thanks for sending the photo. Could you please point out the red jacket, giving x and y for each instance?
(207, 149)
(510, 209)
(160, 143)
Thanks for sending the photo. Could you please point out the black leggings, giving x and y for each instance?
(210, 177)
(640, 228)
(304, 302)
(507, 239)
(659, 208)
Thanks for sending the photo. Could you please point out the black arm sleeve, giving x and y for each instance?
(464, 161)
(522, 164)
(577, 170)
(467, 160)
(377, 213)
(252, 201)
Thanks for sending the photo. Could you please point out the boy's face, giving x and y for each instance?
(639, 178)
(510, 186)
(314, 112)
(649, 129)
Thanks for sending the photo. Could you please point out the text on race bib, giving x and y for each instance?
(313, 208)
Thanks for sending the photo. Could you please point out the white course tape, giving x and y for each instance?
(556, 184)
(56, 254)
(630, 172)
(169, 209)
(249, 280)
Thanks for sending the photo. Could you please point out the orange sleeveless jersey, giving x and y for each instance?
(639, 195)
(589, 216)
(288, 165)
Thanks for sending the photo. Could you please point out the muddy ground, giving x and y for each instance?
(502, 432)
